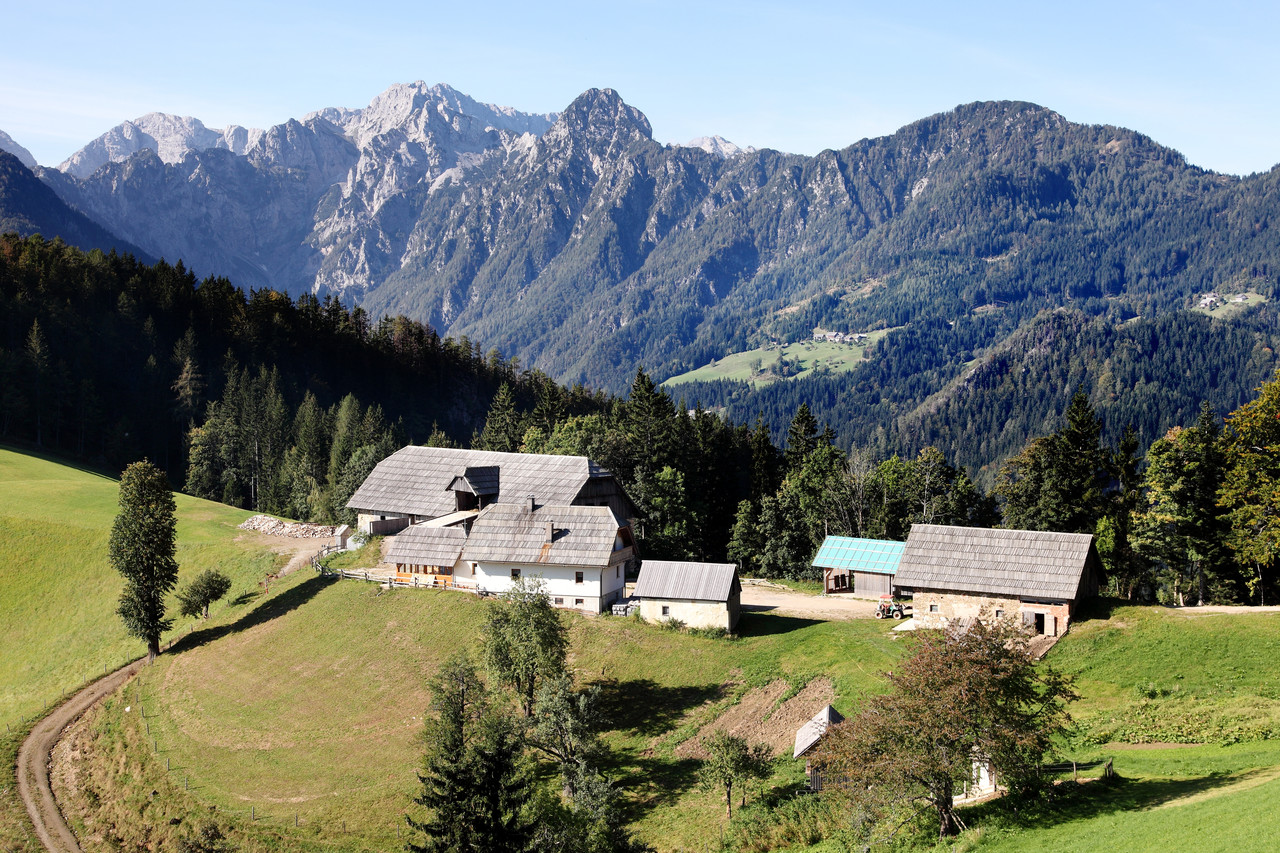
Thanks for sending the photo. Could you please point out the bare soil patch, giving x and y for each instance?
(759, 718)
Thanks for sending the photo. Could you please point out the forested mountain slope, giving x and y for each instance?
(29, 207)
(582, 246)
(923, 386)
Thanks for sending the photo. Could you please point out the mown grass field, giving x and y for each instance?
(753, 365)
(58, 594)
(58, 626)
(314, 706)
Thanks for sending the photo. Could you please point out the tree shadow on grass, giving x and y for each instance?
(1101, 608)
(763, 624)
(645, 707)
(274, 607)
(1069, 801)
(652, 782)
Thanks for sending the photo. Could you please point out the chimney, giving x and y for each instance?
(551, 531)
(528, 503)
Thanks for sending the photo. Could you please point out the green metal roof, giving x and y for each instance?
(859, 555)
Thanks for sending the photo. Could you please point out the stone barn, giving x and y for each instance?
(1036, 578)
(860, 567)
(701, 595)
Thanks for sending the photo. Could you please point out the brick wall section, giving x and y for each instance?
(953, 605)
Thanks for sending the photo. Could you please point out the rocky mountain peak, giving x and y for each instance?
(170, 136)
(7, 143)
(718, 146)
(600, 119)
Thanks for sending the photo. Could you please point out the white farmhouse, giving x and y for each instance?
(579, 552)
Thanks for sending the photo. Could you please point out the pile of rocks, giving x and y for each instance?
(292, 529)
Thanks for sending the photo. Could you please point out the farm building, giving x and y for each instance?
(859, 567)
(807, 737)
(701, 595)
(417, 484)
(1037, 578)
(580, 553)
(431, 552)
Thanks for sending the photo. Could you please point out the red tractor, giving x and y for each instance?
(888, 607)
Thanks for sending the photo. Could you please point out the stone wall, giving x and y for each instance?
(951, 605)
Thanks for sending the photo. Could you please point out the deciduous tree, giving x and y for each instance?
(731, 760)
(961, 696)
(525, 642)
(209, 586)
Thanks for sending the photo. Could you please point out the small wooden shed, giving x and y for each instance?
(429, 551)
(701, 595)
(864, 568)
(807, 737)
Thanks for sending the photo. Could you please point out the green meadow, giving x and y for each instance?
(57, 591)
(755, 365)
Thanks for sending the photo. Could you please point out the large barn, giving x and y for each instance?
(860, 567)
(417, 484)
(1034, 577)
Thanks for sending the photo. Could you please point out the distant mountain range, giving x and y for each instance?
(584, 247)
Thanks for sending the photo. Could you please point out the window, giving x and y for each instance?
(559, 601)
(617, 572)
(999, 614)
(515, 574)
(666, 611)
(577, 602)
(577, 577)
(933, 608)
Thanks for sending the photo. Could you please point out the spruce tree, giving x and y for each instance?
(503, 428)
(474, 782)
(141, 549)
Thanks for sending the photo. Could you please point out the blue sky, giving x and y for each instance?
(804, 76)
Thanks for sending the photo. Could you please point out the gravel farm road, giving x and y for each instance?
(33, 760)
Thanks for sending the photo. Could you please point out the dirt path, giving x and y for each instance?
(34, 757)
(1205, 609)
(300, 551)
(770, 599)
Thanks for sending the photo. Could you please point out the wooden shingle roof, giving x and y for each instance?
(687, 581)
(1022, 563)
(427, 546)
(416, 480)
(581, 535)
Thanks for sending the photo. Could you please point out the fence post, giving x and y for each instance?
(1075, 775)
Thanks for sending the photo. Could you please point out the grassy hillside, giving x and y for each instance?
(757, 366)
(58, 593)
(313, 706)
(304, 705)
